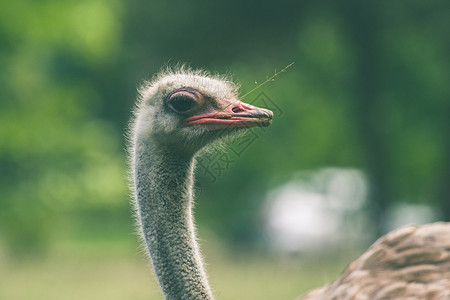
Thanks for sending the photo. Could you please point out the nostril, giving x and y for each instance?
(236, 109)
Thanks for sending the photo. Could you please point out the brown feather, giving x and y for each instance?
(409, 263)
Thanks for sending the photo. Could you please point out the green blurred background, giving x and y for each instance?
(369, 91)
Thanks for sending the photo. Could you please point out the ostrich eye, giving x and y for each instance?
(182, 102)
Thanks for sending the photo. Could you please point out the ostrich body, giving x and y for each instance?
(408, 263)
(183, 111)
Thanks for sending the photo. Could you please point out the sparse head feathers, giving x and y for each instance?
(152, 118)
(168, 80)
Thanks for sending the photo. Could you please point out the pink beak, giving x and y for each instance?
(236, 114)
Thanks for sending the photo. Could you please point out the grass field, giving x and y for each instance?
(117, 270)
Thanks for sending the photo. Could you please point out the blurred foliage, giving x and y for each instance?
(57, 154)
(369, 89)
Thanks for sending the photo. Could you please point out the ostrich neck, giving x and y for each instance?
(163, 182)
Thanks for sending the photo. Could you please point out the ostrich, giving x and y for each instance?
(183, 111)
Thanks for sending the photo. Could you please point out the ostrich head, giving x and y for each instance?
(185, 110)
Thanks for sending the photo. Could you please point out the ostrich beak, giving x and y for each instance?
(235, 114)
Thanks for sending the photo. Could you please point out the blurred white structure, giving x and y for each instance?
(322, 210)
(316, 210)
